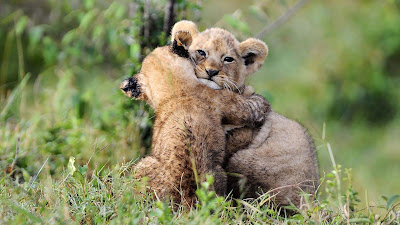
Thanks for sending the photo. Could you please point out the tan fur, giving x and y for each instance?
(188, 136)
(280, 157)
(218, 45)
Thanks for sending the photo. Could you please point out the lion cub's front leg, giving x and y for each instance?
(239, 138)
(248, 111)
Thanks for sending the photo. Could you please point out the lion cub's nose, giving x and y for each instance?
(212, 73)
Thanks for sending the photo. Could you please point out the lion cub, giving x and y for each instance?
(188, 138)
(280, 157)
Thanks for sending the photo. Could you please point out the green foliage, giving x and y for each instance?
(61, 68)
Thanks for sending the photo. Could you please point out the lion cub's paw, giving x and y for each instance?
(130, 87)
(260, 108)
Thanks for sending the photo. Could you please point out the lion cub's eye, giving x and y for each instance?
(229, 59)
(202, 53)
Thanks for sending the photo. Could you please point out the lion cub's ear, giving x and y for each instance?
(183, 39)
(254, 52)
(183, 33)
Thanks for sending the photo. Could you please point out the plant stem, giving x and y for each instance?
(282, 19)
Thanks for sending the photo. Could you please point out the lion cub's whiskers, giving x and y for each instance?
(234, 85)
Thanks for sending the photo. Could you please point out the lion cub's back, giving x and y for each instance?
(289, 146)
(286, 156)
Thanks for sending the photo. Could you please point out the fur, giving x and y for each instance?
(187, 135)
(280, 157)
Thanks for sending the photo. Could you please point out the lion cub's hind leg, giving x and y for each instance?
(157, 175)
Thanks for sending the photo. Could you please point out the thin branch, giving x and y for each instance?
(390, 210)
(282, 19)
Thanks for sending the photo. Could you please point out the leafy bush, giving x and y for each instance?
(60, 73)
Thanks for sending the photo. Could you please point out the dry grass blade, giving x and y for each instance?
(250, 206)
(36, 176)
(14, 94)
(11, 167)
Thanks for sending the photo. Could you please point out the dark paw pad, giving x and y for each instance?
(130, 87)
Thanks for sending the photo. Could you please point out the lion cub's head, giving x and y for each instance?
(220, 60)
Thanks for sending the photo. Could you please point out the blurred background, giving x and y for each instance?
(334, 66)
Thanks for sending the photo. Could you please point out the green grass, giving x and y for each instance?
(111, 195)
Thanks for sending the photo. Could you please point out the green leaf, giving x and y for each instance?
(298, 217)
(50, 50)
(210, 179)
(200, 193)
(330, 175)
(258, 13)
(205, 185)
(82, 169)
(71, 167)
(21, 24)
(68, 37)
(89, 4)
(87, 19)
(98, 31)
(134, 50)
(78, 177)
(237, 24)
(229, 19)
(35, 34)
(392, 200)
(120, 12)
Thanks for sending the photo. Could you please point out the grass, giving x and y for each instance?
(112, 195)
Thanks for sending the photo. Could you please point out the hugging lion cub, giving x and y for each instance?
(280, 156)
(188, 138)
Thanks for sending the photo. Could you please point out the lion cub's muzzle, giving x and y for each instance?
(130, 87)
